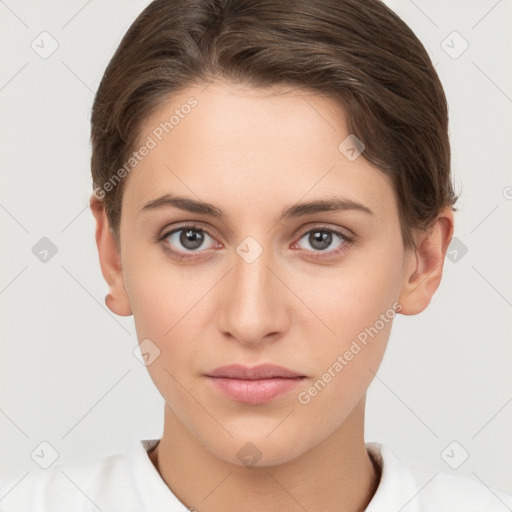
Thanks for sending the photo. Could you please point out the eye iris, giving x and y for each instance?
(320, 239)
(191, 239)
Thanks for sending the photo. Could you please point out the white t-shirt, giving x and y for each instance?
(130, 483)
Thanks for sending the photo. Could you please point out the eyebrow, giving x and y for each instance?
(294, 211)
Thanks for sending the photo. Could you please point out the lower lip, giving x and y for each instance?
(259, 391)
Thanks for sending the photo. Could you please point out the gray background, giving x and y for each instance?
(68, 373)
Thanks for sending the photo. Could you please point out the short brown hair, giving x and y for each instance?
(360, 53)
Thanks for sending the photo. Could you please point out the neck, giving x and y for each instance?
(336, 475)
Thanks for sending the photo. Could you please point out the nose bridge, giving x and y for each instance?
(251, 280)
(253, 306)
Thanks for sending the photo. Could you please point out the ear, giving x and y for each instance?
(110, 261)
(425, 266)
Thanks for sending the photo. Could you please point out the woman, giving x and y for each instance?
(271, 188)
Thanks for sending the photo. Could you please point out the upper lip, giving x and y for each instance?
(262, 371)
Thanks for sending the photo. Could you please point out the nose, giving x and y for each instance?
(253, 305)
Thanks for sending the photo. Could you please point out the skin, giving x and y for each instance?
(252, 153)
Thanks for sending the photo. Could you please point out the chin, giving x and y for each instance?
(257, 451)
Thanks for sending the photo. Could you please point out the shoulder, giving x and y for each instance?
(414, 489)
(73, 486)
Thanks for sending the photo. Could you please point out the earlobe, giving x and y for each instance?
(420, 284)
(117, 299)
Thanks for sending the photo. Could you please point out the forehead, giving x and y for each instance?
(242, 146)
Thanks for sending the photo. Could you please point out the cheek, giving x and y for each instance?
(153, 303)
(346, 299)
(160, 309)
(356, 303)
(346, 362)
(158, 290)
(160, 298)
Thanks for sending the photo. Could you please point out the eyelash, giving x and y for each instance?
(348, 241)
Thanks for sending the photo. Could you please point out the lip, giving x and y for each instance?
(261, 371)
(254, 385)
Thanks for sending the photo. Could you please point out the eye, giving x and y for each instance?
(189, 241)
(325, 241)
(183, 242)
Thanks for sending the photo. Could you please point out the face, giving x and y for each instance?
(257, 276)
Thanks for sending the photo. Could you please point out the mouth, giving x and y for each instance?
(254, 385)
